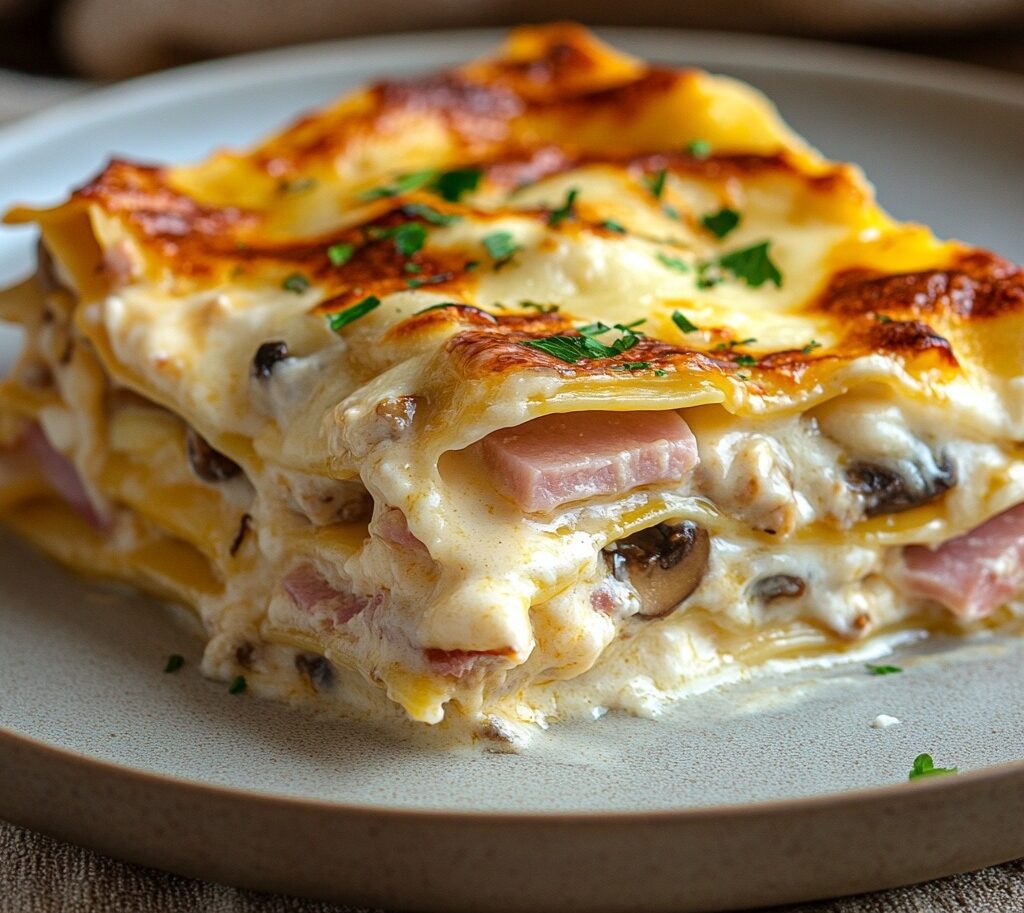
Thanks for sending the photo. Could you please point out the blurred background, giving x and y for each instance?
(114, 39)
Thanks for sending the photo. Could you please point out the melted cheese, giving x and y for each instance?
(166, 281)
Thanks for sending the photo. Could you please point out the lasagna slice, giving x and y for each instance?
(555, 383)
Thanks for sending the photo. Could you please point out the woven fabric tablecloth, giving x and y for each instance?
(41, 875)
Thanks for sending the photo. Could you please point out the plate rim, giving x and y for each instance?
(770, 52)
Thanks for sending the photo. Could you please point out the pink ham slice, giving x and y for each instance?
(61, 473)
(313, 594)
(973, 574)
(556, 459)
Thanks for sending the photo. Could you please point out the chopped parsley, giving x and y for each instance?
(439, 279)
(408, 238)
(753, 265)
(670, 211)
(679, 319)
(746, 360)
(344, 318)
(174, 662)
(722, 222)
(698, 148)
(656, 182)
(660, 373)
(429, 214)
(883, 318)
(811, 346)
(411, 267)
(566, 210)
(453, 184)
(673, 263)
(238, 685)
(925, 767)
(707, 276)
(572, 349)
(612, 225)
(632, 366)
(295, 282)
(500, 245)
(539, 308)
(414, 180)
(882, 670)
(340, 254)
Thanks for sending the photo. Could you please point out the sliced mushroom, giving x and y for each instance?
(316, 668)
(778, 586)
(889, 489)
(664, 564)
(268, 355)
(209, 464)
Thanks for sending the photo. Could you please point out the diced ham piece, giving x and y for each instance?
(313, 594)
(556, 459)
(458, 663)
(972, 574)
(60, 472)
(394, 528)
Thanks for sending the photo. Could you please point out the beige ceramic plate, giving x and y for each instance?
(756, 794)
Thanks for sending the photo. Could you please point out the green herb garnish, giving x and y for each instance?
(566, 210)
(539, 308)
(238, 685)
(660, 373)
(408, 238)
(679, 319)
(174, 662)
(676, 263)
(698, 148)
(402, 184)
(572, 349)
(810, 347)
(925, 767)
(753, 265)
(296, 283)
(344, 318)
(429, 214)
(612, 225)
(500, 245)
(882, 670)
(722, 222)
(883, 318)
(670, 211)
(340, 254)
(453, 184)
(632, 366)
(747, 361)
(656, 182)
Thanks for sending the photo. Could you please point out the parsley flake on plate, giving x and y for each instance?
(344, 318)
(539, 308)
(747, 361)
(296, 283)
(238, 685)
(174, 662)
(721, 223)
(924, 766)
(566, 210)
(810, 347)
(340, 254)
(882, 670)
(680, 320)
(753, 265)
(612, 225)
